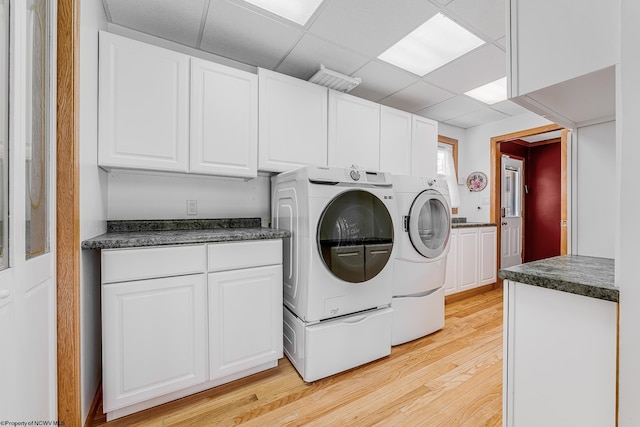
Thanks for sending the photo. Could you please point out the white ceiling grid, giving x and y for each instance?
(345, 36)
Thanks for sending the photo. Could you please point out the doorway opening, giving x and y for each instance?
(539, 198)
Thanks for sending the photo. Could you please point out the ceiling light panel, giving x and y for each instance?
(431, 45)
(490, 93)
(296, 11)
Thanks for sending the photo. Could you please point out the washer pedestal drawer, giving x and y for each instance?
(326, 348)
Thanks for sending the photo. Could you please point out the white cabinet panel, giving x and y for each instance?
(424, 147)
(471, 261)
(395, 141)
(564, 70)
(154, 338)
(245, 319)
(451, 274)
(224, 120)
(144, 106)
(488, 256)
(354, 132)
(119, 265)
(468, 258)
(235, 255)
(292, 122)
(559, 357)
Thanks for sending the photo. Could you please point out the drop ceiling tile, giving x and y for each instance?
(305, 59)
(416, 97)
(480, 117)
(168, 19)
(510, 108)
(241, 34)
(451, 108)
(370, 26)
(380, 80)
(483, 65)
(487, 16)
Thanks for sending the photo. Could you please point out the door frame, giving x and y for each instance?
(68, 213)
(496, 184)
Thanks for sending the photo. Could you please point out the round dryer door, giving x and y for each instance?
(355, 236)
(429, 223)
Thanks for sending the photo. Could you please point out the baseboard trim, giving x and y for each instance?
(471, 292)
(97, 400)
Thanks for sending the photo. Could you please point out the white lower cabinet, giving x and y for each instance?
(245, 319)
(471, 261)
(209, 315)
(559, 358)
(154, 338)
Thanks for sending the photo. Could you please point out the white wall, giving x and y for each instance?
(93, 202)
(164, 196)
(594, 195)
(627, 252)
(474, 154)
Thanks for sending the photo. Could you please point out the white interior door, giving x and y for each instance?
(28, 389)
(511, 212)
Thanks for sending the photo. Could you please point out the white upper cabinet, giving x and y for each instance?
(395, 141)
(561, 56)
(224, 120)
(354, 132)
(292, 122)
(424, 147)
(144, 106)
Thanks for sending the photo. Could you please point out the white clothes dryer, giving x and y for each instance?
(422, 237)
(337, 266)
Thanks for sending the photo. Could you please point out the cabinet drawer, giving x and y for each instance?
(119, 265)
(255, 253)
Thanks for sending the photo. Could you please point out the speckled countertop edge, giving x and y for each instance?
(587, 276)
(131, 234)
(473, 224)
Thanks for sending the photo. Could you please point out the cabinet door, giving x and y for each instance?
(585, 38)
(154, 338)
(144, 106)
(224, 120)
(451, 274)
(292, 122)
(395, 141)
(559, 358)
(245, 319)
(424, 147)
(468, 258)
(354, 132)
(487, 261)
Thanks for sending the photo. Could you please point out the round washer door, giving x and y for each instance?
(355, 236)
(429, 223)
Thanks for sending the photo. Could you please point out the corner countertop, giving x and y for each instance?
(461, 222)
(581, 275)
(131, 234)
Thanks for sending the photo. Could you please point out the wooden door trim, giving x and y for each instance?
(67, 213)
(496, 186)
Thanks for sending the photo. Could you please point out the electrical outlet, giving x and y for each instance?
(192, 207)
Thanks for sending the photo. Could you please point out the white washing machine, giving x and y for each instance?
(337, 266)
(422, 239)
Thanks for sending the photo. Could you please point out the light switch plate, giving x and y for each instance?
(192, 207)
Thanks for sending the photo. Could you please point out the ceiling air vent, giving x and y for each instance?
(334, 80)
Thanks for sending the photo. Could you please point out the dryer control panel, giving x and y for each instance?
(352, 175)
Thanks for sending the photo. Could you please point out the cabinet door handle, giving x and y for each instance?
(4, 294)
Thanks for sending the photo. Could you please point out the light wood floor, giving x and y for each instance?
(450, 378)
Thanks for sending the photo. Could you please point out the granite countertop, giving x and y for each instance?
(461, 222)
(473, 224)
(131, 234)
(588, 276)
